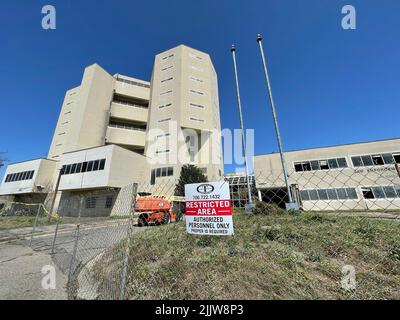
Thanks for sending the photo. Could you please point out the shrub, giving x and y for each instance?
(263, 208)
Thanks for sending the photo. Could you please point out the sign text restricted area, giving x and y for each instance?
(208, 208)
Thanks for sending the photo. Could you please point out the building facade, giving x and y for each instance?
(362, 176)
(114, 130)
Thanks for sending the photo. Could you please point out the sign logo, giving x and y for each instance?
(205, 188)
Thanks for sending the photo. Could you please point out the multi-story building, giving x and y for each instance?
(363, 176)
(116, 130)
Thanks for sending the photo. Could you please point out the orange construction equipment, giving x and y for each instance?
(154, 210)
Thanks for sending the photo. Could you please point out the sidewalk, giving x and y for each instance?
(25, 233)
(21, 274)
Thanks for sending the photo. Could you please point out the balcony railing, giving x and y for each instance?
(125, 126)
(130, 104)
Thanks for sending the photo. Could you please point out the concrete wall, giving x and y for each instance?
(41, 181)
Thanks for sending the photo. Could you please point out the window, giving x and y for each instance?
(192, 55)
(167, 57)
(315, 165)
(390, 192)
(196, 119)
(102, 164)
(357, 162)
(165, 105)
(135, 83)
(96, 165)
(378, 192)
(168, 79)
(19, 176)
(197, 105)
(377, 160)
(388, 158)
(166, 68)
(73, 168)
(328, 194)
(90, 202)
(397, 158)
(109, 201)
(196, 92)
(333, 164)
(164, 120)
(89, 166)
(196, 79)
(82, 167)
(165, 92)
(324, 165)
(381, 192)
(342, 162)
(161, 172)
(162, 151)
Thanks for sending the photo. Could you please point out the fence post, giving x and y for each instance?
(76, 240)
(34, 225)
(397, 169)
(124, 272)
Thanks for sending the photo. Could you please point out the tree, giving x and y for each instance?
(189, 174)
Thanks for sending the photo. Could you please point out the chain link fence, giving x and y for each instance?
(130, 242)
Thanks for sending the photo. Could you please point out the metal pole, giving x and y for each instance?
(278, 135)
(75, 248)
(34, 225)
(397, 169)
(233, 50)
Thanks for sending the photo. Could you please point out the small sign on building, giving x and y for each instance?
(208, 209)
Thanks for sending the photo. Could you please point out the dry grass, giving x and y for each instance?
(269, 257)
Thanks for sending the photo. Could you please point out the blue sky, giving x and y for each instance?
(331, 86)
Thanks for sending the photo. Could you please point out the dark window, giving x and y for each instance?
(378, 160)
(90, 203)
(367, 160)
(324, 165)
(158, 172)
(332, 195)
(397, 158)
(357, 162)
(313, 195)
(323, 194)
(298, 167)
(351, 193)
(390, 192)
(315, 165)
(153, 177)
(342, 162)
(24, 175)
(84, 166)
(304, 195)
(163, 172)
(90, 166)
(8, 178)
(171, 171)
(78, 167)
(333, 164)
(306, 166)
(341, 193)
(367, 193)
(109, 201)
(31, 175)
(62, 170)
(73, 168)
(102, 164)
(378, 192)
(388, 158)
(68, 169)
(96, 165)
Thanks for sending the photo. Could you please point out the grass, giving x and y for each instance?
(277, 256)
(12, 222)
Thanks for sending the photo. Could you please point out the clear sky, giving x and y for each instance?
(331, 86)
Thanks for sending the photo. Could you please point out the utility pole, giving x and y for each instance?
(250, 205)
(290, 205)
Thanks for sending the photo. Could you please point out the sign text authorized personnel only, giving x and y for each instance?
(208, 208)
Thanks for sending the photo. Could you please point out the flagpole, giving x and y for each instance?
(250, 204)
(278, 135)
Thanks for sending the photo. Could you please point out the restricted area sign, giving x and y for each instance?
(208, 209)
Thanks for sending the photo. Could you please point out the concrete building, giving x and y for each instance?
(116, 130)
(344, 177)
